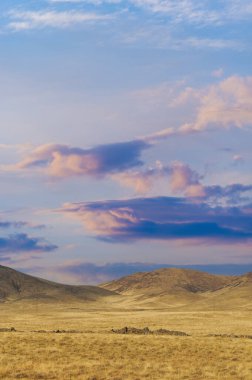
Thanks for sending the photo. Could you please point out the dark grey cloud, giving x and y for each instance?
(165, 218)
(23, 243)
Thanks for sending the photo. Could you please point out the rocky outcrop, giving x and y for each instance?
(147, 331)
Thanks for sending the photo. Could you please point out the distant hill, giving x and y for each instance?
(174, 287)
(165, 288)
(19, 286)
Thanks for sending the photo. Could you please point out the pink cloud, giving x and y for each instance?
(162, 218)
(180, 178)
(228, 103)
(101, 222)
(224, 104)
(63, 161)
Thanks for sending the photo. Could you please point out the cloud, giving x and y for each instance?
(162, 218)
(63, 161)
(23, 243)
(142, 181)
(209, 43)
(187, 12)
(54, 19)
(181, 177)
(225, 104)
(90, 273)
(169, 15)
(66, 1)
(232, 193)
(221, 105)
(159, 37)
(199, 12)
(20, 224)
(94, 2)
(96, 274)
(117, 161)
(218, 73)
(238, 158)
(114, 160)
(8, 224)
(183, 180)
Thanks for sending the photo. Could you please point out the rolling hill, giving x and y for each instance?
(167, 288)
(15, 286)
(174, 287)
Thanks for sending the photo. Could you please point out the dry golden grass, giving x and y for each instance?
(97, 354)
(104, 356)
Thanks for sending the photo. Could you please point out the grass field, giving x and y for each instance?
(93, 352)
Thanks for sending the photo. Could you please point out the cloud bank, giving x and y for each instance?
(194, 12)
(222, 105)
(162, 218)
(182, 180)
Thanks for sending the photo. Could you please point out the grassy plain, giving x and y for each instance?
(93, 352)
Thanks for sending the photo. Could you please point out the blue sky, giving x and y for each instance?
(125, 136)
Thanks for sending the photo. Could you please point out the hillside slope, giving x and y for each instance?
(174, 287)
(15, 285)
(168, 288)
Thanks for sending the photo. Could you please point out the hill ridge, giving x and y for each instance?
(179, 287)
(163, 288)
(15, 285)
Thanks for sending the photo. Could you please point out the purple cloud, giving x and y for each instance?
(20, 224)
(64, 161)
(23, 243)
(233, 193)
(9, 224)
(162, 218)
(181, 178)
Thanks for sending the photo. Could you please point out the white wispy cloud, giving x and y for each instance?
(191, 11)
(221, 105)
(65, 1)
(55, 19)
(165, 36)
(198, 12)
(95, 2)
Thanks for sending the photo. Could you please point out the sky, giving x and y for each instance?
(126, 131)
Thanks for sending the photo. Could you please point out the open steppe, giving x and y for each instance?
(93, 352)
(73, 340)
